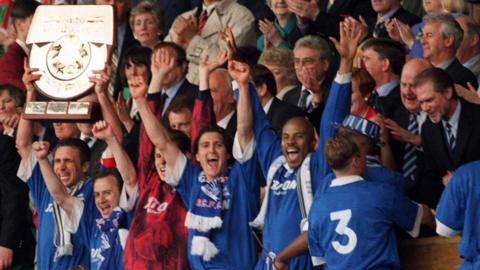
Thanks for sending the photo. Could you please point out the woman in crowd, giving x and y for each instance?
(147, 23)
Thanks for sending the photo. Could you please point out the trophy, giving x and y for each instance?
(68, 42)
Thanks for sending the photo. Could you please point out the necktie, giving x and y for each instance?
(302, 102)
(410, 156)
(450, 135)
(163, 98)
(203, 20)
(373, 100)
(114, 65)
(379, 26)
(330, 4)
(87, 140)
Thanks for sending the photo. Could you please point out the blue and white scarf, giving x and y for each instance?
(108, 232)
(205, 215)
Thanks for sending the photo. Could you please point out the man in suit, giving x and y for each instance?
(322, 17)
(450, 133)
(384, 60)
(405, 124)
(469, 52)
(11, 63)
(174, 83)
(386, 11)
(312, 56)
(17, 244)
(124, 40)
(441, 38)
(198, 31)
(278, 112)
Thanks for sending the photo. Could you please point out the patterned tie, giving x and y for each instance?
(203, 20)
(450, 135)
(113, 77)
(410, 157)
(302, 102)
(379, 26)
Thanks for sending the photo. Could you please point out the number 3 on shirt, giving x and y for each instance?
(344, 217)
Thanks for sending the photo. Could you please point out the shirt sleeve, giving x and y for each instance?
(29, 172)
(313, 238)
(451, 208)
(127, 200)
(71, 221)
(182, 177)
(406, 213)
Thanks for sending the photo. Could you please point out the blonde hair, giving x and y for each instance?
(455, 6)
(281, 57)
(147, 6)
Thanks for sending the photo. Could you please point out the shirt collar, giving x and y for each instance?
(267, 106)
(345, 180)
(210, 8)
(385, 89)
(171, 92)
(23, 46)
(224, 122)
(453, 121)
(446, 64)
(470, 62)
(388, 15)
(92, 139)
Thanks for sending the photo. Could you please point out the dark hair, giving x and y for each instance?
(439, 78)
(366, 84)
(339, 151)
(262, 75)
(181, 55)
(388, 49)
(227, 140)
(180, 139)
(138, 56)
(179, 104)
(83, 149)
(22, 9)
(310, 132)
(105, 172)
(14, 92)
(248, 55)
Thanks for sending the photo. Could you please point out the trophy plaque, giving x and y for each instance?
(68, 42)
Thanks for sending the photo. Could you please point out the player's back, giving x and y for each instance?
(350, 225)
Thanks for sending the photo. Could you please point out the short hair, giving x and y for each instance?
(180, 54)
(472, 27)
(281, 57)
(180, 139)
(388, 49)
(339, 151)
(22, 9)
(450, 26)
(105, 172)
(229, 78)
(138, 55)
(439, 79)
(310, 129)
(316, 43)
(262, 75)
(455, 6)
(81, 146)
(366, 84)
(14, 92)
(180, 103)
(227, 140)
(370, 145)
(147, 6)
(248, 55)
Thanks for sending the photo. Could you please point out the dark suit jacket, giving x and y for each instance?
(386, 105)
(11, 66)
(439, 158)
(280, 112)
(15, 216)
(461, 75)
(327, 21)
(314, 116)
(232, 125)
(401, 15)
(171, 9)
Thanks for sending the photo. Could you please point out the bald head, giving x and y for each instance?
(220, 85)
(410, 70)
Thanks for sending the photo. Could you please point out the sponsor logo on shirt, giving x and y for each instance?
(153, 206)
(281, 188)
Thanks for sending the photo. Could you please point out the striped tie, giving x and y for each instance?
(410, 157)
(113, 77)
(302, 102)
(450, 135)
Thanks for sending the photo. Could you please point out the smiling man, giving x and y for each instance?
(448, 133)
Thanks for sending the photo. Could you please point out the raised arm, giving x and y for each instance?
(100, 79)
(155, 131)
(103, 130)
(25, 127)
(241, 73)
(55, 187)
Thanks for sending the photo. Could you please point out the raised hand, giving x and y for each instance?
(100, 78)
(185, 29)
(102, 130)
(162, 62)
(305, 9)
(28, 77)
(270, 32)
(227, 36)
(350, 35)
(310, 80)
(401, 134)
(207, 67)
(399, 31)
(138, 87)
(40, 149)
(9, 122)
(239, 71)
